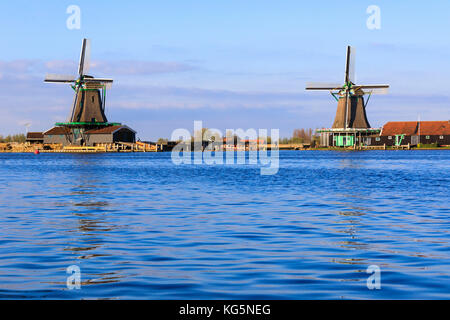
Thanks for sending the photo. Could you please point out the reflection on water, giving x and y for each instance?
(140, 227)
(93, 226)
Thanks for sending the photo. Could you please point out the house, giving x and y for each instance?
(396, 133)
(111, 134)
(35, 137)
(57, 135)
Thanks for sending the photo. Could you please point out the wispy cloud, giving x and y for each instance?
(174, 97)
(120, 67)
(24, 97)
(26, 68)
(61, 66)
(139, 67)
(18, 69)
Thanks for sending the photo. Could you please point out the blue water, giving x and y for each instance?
(139, 227)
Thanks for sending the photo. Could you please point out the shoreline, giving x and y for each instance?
(312, 149)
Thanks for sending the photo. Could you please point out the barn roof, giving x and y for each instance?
(35, 135)
(108, 130)
(412, 128)
(57, 131)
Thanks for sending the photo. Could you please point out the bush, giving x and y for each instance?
(429, 145)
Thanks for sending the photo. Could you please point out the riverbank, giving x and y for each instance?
(103, 150)
(15, 147)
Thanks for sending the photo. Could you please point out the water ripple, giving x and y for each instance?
(140, 227)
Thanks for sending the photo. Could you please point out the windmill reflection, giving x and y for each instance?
(89, 206)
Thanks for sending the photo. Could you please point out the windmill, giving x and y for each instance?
(90, 93)
(26, 124)
(87, 125)
(351, 114)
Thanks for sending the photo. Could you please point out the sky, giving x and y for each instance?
(231, 64)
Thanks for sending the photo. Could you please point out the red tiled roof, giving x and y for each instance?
(57, 131)
(429, 128)
(35, 135)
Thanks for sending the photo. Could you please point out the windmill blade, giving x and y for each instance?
(322, 86)
(373, 86)
(380, 91)
(85, 57)
(59, 78)
(350, 65)
(376, 91)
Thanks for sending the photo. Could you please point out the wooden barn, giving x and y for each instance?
(397, 133)
(57, 135)
(94, 137)
(110, 134)
(35, 137)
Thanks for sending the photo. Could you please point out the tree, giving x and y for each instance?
(302, 136)
(21, 138)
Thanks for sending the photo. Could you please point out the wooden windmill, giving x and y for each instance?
(89, 102)
(351, 110)
(87, 124)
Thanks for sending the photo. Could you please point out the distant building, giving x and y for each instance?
(393, 133)
(396, 133)
(35, 137)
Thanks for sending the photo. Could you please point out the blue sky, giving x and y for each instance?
(232, 64)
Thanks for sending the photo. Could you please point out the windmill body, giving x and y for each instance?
(356, 118)
(350, 125)
(88, 108)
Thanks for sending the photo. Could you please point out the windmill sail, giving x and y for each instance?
(323, 86)
(85, 57)
(59, 78)
(351, 112)
(375, 88)
(350, 65)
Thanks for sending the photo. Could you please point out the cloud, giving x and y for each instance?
(21, 69)
(120, 67)
(18, 66)
(139, 67)
(61, 66)
(173, 97)
(18, 69)
(24, 97)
